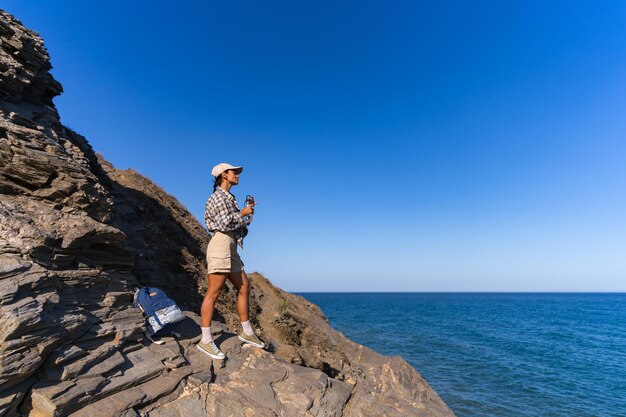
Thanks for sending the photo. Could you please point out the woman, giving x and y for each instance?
(224, 219)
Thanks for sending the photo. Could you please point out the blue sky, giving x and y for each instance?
(405, 146)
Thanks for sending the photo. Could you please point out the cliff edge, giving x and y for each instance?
(77, 235)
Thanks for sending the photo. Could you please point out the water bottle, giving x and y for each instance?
(249, 202)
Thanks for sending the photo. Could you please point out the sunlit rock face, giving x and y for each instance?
(77, 236)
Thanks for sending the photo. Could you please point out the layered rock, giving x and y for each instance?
(77, 235)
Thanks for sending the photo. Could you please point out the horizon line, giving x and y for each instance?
(459, 292)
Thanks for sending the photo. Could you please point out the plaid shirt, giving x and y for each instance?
(222, 213)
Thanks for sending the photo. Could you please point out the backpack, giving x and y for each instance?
(160, 310)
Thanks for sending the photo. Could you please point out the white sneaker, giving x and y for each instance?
(210, 349)
(251, 339)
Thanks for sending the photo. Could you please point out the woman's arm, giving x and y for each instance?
(221, 214)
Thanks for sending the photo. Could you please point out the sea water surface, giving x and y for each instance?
(499, 354)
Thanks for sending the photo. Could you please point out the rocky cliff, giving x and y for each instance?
(76, 235)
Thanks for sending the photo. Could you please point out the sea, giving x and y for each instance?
(499, 354)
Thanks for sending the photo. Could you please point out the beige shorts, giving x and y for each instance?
(221, 254)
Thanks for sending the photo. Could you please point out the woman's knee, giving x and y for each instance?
(244, 289)
(213, 294)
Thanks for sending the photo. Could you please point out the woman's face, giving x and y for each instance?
(232, 177)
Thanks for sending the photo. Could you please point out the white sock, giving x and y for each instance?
(247, 328)
(206, 335)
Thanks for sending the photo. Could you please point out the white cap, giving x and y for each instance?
(219, 168)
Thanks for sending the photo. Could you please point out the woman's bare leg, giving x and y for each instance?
(242, 285)
(216, 283)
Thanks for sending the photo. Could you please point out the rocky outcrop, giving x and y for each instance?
(77, 235)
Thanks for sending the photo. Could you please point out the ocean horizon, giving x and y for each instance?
(498, 354)
(302, 293)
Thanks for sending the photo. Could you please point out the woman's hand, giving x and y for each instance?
(247, 211)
